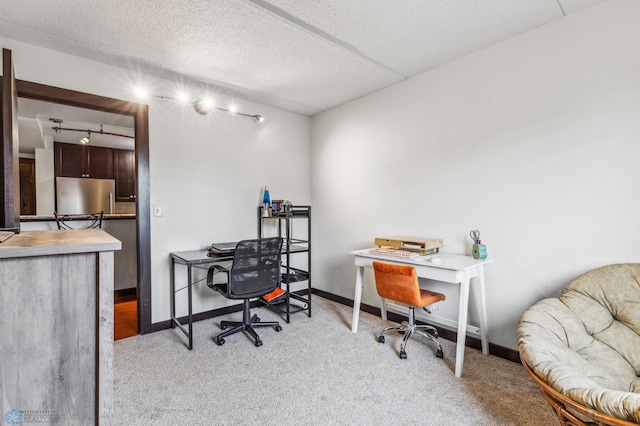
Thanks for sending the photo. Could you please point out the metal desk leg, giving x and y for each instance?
(190, 306)
(462, 324)
(172, 280)
(356, 299)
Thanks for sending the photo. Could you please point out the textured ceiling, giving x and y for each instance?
(303, 56)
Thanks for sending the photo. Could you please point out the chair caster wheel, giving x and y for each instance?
(439, 353)
(258, 342)
(219, 341)
(257, 319)
(403, 355)
(278, 327)
(223, 327)
(381, 339)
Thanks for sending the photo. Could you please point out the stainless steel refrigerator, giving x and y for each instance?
(84, 195)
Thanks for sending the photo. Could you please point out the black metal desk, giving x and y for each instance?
(197, 258)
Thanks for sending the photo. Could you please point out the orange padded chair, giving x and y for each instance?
(400, 284)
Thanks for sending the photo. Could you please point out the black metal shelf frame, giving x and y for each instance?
(291, 247)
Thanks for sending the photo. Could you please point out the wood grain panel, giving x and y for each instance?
(105, 297)
(48, 319)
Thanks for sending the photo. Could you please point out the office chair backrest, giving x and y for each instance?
(397, 282)
(256, 268)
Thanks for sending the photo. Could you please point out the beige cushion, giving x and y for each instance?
(586, 344)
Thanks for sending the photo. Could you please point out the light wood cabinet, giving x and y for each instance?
(57, 324)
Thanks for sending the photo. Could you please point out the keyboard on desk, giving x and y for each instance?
(406, 254)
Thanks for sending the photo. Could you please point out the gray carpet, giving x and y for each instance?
(315, 372)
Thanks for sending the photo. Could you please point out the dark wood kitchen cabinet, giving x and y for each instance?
(72, 160)
(124, 171)
(27, 186)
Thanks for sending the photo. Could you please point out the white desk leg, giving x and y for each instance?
(462, 324)
(356, 299)
(383, 309)
(483, 310)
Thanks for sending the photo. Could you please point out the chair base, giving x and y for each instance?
(247, 325)
(408, 328)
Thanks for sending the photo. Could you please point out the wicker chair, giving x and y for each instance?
(582, 349)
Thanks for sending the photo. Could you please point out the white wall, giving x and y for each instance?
(45, 182)
(534, 141)
(207, 172)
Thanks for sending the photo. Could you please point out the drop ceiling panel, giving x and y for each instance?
(412, 36)
(231, 42)
(571, 6)
(299, 55)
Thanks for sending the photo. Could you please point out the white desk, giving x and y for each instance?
(454, 269)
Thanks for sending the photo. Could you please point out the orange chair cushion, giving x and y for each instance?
(400, 283)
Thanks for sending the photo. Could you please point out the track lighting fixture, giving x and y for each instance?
(201, 107)
(204, 106)
(87, 138)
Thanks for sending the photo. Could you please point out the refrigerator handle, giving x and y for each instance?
(111, 203)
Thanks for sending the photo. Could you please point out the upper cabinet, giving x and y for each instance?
(73, 160)
(85, 161)
(124, 170)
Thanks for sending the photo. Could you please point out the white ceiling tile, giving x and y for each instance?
(411, 36)
(298, 55)
(572, 6)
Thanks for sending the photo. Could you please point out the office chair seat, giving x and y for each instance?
(400, 283)
(255, 271)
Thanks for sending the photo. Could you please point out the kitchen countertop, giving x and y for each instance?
(43, 218)
(46, 243)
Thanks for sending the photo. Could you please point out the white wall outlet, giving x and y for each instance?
(435, 306)
(157, 210)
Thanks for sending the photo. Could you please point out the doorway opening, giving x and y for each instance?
(139, 113)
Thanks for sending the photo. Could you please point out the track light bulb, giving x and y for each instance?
(86, 139)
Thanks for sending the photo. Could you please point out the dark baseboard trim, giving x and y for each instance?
(472, 342)
(163, 325)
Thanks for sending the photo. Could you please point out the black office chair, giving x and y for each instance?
(255, 271)
(95, 220)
